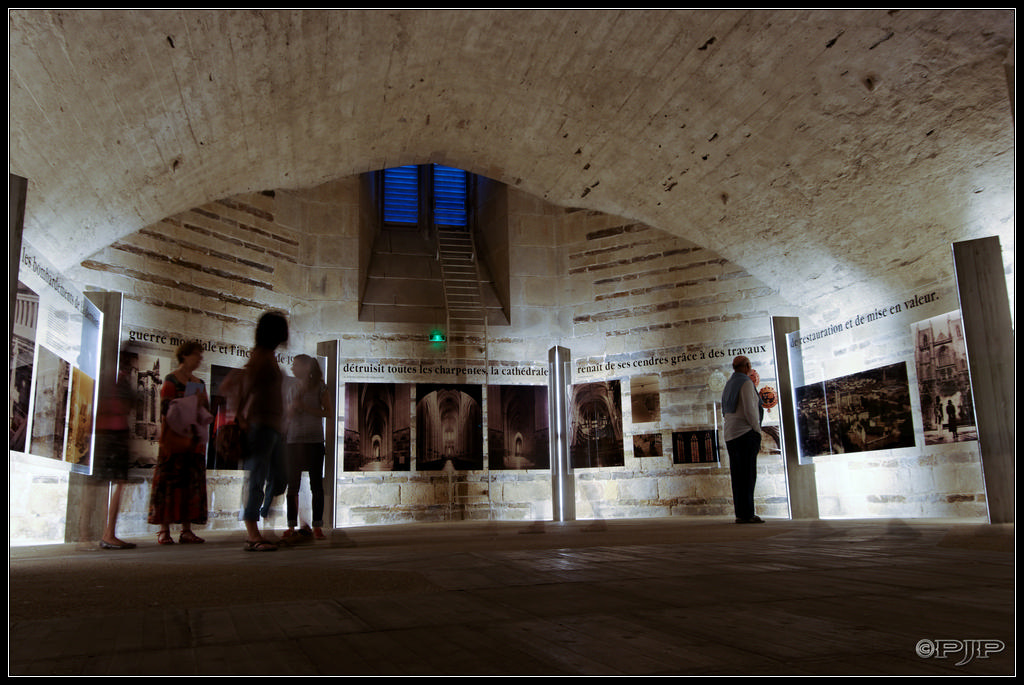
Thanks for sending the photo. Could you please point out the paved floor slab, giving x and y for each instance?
(639, 597)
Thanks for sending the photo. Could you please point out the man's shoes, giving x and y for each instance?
(752, 519)
(297, 537)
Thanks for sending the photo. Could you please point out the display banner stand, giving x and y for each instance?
(563, 485)
(329, 352)
(985, 308)
(17, 191)
(800, 477)
(89, 497)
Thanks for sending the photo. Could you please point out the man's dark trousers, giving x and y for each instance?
(743, 471)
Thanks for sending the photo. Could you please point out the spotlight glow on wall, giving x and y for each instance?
(437, 336)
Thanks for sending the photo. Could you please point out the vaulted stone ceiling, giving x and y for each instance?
(821, 150)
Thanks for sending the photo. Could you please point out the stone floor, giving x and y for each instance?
(638, 597)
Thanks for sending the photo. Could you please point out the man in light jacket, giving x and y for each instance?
(742, 434)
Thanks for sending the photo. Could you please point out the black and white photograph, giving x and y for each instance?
(147, 370)
(645, 398)
(943, 380)
(449, 427)
(517, 427)
(647, 445)
(24, 320)
(870, 410)
(50, 405)
(377, 427)
(812, 420)
(595, 425)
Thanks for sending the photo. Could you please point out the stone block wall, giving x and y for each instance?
(38, 502)
(947, 483)
(628, 300)
(941, 479)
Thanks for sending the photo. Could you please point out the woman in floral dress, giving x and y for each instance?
(178, 493)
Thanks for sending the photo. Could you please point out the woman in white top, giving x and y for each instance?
(306, 406)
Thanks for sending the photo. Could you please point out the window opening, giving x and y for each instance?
(442, 190)
(401, 195)
(449, 196)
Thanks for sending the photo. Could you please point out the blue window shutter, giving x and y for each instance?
(450, 190)
(401, 195)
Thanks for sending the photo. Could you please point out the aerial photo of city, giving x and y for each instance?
(862, 412)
